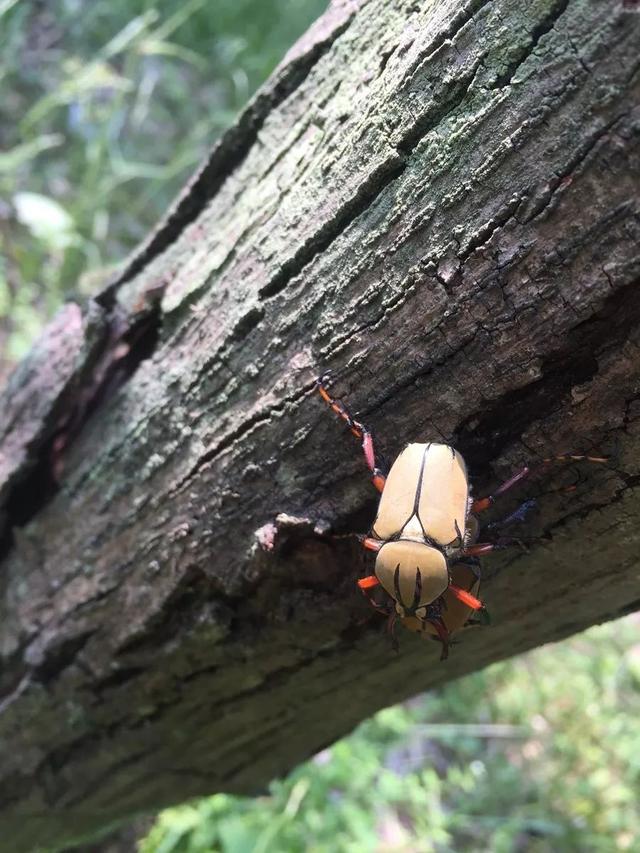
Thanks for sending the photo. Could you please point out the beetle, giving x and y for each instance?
(425, 532)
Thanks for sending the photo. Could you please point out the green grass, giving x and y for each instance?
(540, 753)
(107, 108)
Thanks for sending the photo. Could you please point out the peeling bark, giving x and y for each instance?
(440, 202)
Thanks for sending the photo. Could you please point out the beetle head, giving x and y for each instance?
(414, 574)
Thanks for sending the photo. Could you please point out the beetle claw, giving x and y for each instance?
(391, 630)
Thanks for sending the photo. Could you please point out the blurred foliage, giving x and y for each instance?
(539, 754)
(107, 108)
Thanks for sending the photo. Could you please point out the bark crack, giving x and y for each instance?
(459, 20)
(545, 26)
(372, 188)
(227, 441)
(565, 175)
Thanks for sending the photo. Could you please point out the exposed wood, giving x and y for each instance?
(440, 201)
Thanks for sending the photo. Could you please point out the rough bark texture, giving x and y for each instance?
(438, 200)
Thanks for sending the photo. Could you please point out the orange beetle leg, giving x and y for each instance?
(368, 582)
(484, 503)
(378, 480)
(367, 585)
(479, 549)
(372, 544)
(360, 432)
(465, 597)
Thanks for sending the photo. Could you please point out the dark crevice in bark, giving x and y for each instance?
(370, 190)
(571, 169)
(510, 416)
(483, 437)
(334, 227)
(140, 341)
(60, 656)
(123, 352)
(30, 495)
(545, 26)
(246, 324)
(484, 234)
(435, 116)
(459, 20)
(118, 678)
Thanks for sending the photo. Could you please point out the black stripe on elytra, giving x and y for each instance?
(416, 501)
(396, 585)
(417, 592)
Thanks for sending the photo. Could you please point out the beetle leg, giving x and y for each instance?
(368, 582)
(443, 636)
(481, 548)
(465, 597)
(359, 430)
(366, 585)
(484, 503)
(480, 617)
(388, 610)
(518, 515)
(371, 544)
(474, 564)
(391, 630)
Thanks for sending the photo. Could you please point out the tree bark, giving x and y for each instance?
(438, 201)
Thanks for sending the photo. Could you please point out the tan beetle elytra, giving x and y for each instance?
(425, 532)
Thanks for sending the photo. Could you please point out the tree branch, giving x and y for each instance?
(441, 205)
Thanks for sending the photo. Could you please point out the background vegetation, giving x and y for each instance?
(107, 108)
(538, 754)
